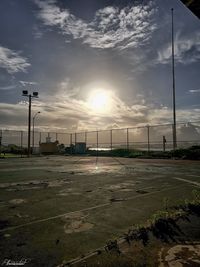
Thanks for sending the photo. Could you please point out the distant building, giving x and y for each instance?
(49, 147)
(80, 148)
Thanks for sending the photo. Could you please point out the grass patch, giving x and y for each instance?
(163, 225)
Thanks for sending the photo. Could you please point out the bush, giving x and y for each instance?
(192, 153)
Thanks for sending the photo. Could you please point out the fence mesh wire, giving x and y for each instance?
(152, 137)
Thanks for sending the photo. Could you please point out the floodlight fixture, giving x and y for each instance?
(25, 92)
(35, 94)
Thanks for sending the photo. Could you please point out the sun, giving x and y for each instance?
(99, 100)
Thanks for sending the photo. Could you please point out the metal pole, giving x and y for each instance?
(21, 142)
(111, 139)
(29, 126)
(33, 133)
(71, 144)
(164, 141)
(0, 141)
(173, 79)
(148, 139)
(75, 143)
(97, 143)
(40, 137)
(127, 139)
(75, 138)
(86, 138)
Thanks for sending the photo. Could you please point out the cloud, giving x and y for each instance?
(37, 32)
(12, 61)
(66, 88)
(194, 91)
(186, 49)
(25, 83)
(111, 27)
(8, 87)
(64, 113)
(164, 115)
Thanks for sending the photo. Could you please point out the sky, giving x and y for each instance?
(97, 64)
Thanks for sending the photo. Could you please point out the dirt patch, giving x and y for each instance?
(180, 255)
(17, 201)
(76, 223)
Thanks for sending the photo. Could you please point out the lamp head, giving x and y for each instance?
(35, 94)
(25, 92)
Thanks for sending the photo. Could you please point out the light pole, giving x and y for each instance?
(35, 94)
(33, 133)
(173, 80)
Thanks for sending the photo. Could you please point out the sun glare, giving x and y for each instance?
(99, 100)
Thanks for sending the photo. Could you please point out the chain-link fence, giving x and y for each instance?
(150, 137)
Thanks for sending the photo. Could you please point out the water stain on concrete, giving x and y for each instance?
(76, 223)
(34, 184)
(121, 187)
(17, 201)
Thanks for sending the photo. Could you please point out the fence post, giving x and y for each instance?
(86, 138)
(174, 141)
(111, 139)
(148, 139)
(71, 144)
(40, 138)
(75, 139)
(127, 139)
(164, 142)
(0, 140)
(97, 143)
(21, 142)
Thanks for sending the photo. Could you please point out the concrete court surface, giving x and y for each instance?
(57, 208)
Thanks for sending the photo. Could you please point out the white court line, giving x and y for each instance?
(187, 181)
(82, 210)
(53, 217)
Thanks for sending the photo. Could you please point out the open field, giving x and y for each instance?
(58, 208)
